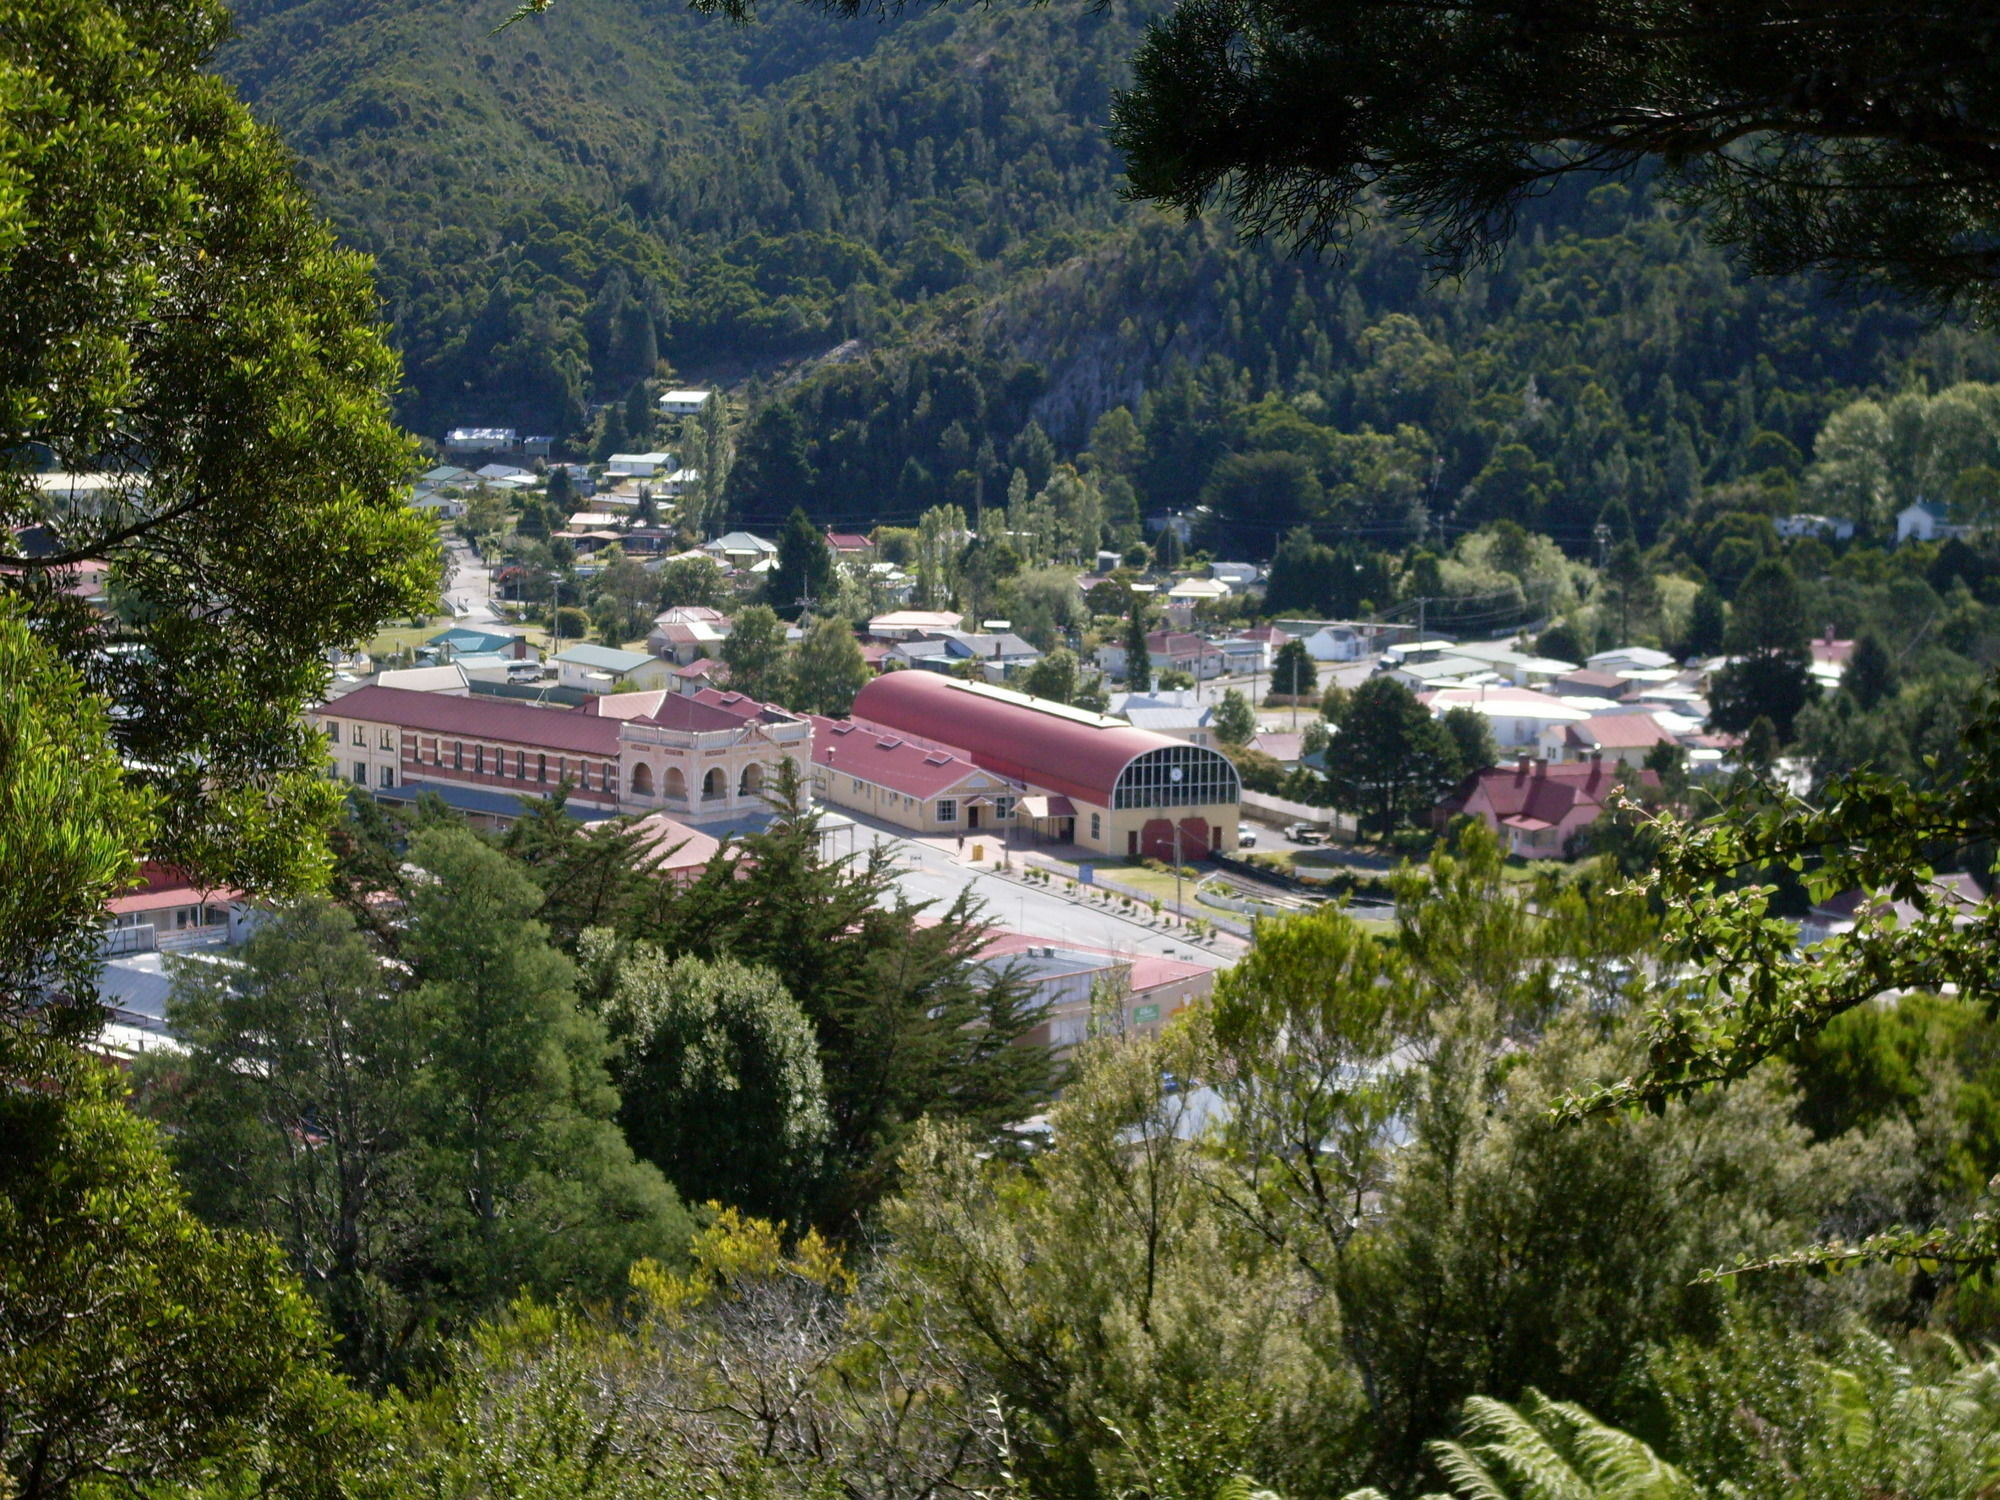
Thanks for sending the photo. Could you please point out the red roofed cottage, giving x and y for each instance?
(1536, 808)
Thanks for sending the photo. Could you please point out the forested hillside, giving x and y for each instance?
(559, 207)
(556, 206)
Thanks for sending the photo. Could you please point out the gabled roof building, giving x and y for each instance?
(1088, 779)
(1538, 809)
(702, 757)
(926, 788)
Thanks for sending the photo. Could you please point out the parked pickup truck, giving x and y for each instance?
(1246, 836)
(1305, 833)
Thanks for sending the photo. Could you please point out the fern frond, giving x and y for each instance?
(1467, 1475)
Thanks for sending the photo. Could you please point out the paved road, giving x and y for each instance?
(932, 873)
(471, 587)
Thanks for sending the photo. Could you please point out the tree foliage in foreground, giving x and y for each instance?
(1339, 1191)
(1759, 1415)
(1753, 994)
(425, 1133)
(906, 1024)
(182, 331)
(140, 1348)
(721, 1083)
(69, 826)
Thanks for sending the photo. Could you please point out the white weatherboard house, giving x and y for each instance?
(683, 403)
(1926, 521)
(636, 465)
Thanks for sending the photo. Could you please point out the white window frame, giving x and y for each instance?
(947, 809)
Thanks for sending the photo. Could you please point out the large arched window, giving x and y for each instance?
(1178, 776)
(675, 785)
(714, 784)
(752, 781)
(642, 780)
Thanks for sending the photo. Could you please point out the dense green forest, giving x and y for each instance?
(557, 207)
(904, 239)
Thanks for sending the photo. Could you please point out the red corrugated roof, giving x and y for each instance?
(1619, 731)
(688, 712)
(478, 718)
(743, 707)
(677, 847)
(162, 887)
(698, 713)
(623, 705)
(1543, 791)
(881, 757)
(1008, 733)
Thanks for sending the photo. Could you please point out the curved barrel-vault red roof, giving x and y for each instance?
(1032, 740)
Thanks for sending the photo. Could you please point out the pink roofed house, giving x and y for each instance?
(1537, 809)
(702, 672)
(1281, 745)
(1831, 652)
(850, 545)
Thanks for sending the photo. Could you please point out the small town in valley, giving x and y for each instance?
(1221, 750)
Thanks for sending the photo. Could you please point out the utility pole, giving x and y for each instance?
(555, 626)
(1177, 867)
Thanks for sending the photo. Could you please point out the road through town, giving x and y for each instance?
(930, 871)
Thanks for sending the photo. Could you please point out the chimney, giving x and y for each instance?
(1541, 769)
(1521, 765)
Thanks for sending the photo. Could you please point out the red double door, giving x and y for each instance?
(1156, 839)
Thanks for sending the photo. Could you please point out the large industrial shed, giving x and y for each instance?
(1089, 780)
